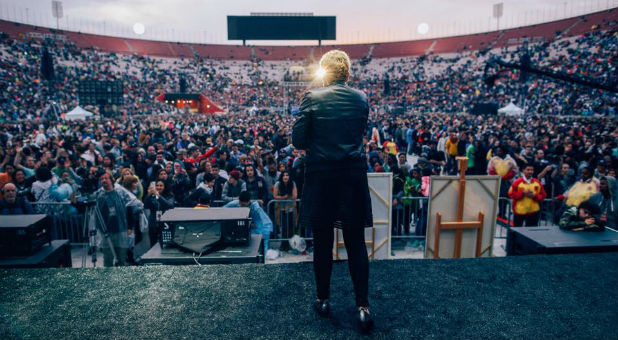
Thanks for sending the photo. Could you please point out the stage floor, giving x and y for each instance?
(524, 297)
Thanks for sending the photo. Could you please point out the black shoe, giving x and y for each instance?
(365, 320)
(322, 307)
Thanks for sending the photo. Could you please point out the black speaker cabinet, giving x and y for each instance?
(22, 235)
(200, 229)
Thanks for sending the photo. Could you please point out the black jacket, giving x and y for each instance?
(330, 127)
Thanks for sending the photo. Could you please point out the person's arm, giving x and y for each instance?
(510, 174)
(206, 154)
(17, 159)
(77, 178)
(569, 221)
(300, 131)
(276, 192)
(224, 192)
(542, 194)
(195, 194)
(6, 159)
(166, 203)
(53, 191)
(186, 182)
(554, 173)
(490, 168)
(263, 192)
(294, 192)
(514, 192)
(27, 207)
(232, 204)
(545, 171)
(594, 224)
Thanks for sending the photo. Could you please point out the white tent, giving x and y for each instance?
(511, 110)
(78, 113)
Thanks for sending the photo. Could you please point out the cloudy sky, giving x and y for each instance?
(357, 20)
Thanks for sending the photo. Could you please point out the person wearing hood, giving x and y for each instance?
(607, 200)
(585, 217)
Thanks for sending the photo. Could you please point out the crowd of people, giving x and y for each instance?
(450, 83)
(560, 156)
(209, 160)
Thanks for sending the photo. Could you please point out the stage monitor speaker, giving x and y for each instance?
(485, 108)
(199, 230)
(22, 235)
(198, 237)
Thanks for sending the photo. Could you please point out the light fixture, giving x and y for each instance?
(138, 28)
(423, 28)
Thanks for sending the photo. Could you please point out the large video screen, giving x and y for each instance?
(281, 28)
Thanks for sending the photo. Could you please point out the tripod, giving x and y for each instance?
(92, 233)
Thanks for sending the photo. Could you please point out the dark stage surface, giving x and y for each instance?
(526, 297)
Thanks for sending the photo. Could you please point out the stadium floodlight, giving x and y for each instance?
(320, 73)
(423, 28)
(139, 28)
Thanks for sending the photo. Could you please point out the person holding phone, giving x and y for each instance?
(158, 201)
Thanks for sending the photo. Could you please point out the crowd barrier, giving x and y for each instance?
(66, 220)
(409, 218)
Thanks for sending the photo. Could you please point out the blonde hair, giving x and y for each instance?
(129, 181)
(336, 63)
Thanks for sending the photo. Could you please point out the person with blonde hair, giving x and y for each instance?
(330, 127)
(135, 184)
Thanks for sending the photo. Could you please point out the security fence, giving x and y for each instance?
(67, 221)
(409, 218)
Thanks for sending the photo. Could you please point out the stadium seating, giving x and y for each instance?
(541, 32)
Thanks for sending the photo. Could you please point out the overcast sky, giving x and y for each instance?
(357, 20)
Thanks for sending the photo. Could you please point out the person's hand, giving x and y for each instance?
(261, 202)
(152, 190)
(548, 168)
(603, 218)
(395, 202)
(590, 220)
(129, 232)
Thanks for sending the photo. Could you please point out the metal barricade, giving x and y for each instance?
(409, 218)
(66, 221)
(217, 203)
(548, 214)
(284, 215)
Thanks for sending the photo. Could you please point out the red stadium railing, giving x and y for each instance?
(546, 31)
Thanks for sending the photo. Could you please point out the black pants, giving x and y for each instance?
(530, 220)
(358, 262)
